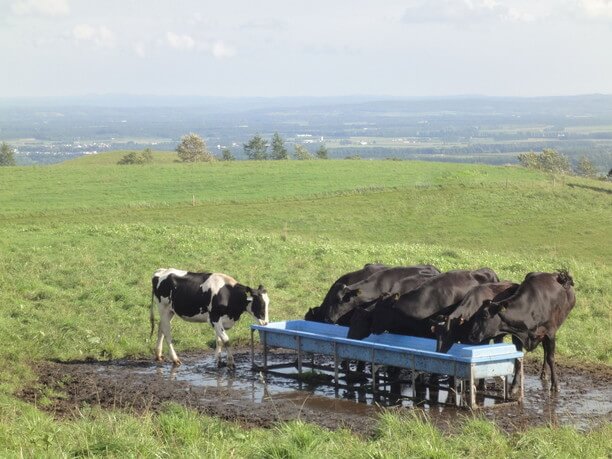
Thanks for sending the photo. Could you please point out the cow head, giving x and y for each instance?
(485, 276)
(444, 328)
(342, 305)
(257, 303)
(361, 324)
(314, 315)
(486, 322)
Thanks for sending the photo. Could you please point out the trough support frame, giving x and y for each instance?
(472, 387)
(336, 375)
(252, 348)
(265, 351)
(299, 355)
(522, 375)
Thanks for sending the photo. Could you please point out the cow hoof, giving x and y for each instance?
(159, 358)
(231, 366)
(554, 388)
(543, 377)
(177, 363)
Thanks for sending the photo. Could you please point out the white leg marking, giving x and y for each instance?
(218, 350)
(164, 325)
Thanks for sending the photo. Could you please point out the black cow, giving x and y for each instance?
(363, 293)
(533, 315)
(406, 315)
(203, 297)
(454, 327)
(320, 313)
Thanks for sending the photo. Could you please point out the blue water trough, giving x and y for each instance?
(465, 363)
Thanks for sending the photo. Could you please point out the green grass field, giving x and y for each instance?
(80, 240)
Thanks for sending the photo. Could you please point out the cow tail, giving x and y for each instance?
(565, 279)
(152, 314)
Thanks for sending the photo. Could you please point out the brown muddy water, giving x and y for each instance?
(254, 399)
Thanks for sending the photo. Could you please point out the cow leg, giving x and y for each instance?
(160, 343)
(517, 366)
(165, 317)
(218, 350)
(549, 345)
(544, 361)
(222, 335)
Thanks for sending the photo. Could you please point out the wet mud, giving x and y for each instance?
(254, 399)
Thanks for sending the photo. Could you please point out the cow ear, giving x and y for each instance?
(249, 291)
(261, 287)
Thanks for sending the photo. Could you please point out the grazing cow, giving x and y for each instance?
(406, 315)
(363, 293)
(319, 314)
(533, 315)
(203, 297)
(454, 327)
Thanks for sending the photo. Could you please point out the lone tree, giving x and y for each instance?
(322, 152)
(226, 155)
(301, 153)
(137, 157)
(7, 155)
(278, 147)
(256, 148)
(586, 168)
(193, 149)
(550, 160)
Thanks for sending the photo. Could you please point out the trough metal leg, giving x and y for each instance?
(414, 393)
(505, 383)
(252, 349)
(336, 382)
(373, 372)
(522, 387)
(472, 391)
(265, 350)
(299, 356)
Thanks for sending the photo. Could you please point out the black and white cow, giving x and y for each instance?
(203, 297)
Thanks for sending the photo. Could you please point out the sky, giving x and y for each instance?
(269, 48)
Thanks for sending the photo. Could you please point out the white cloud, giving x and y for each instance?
(221, 50)
(42, 7)
(180, 41)
(139, 49)
(100, 36)
(464, 11)
(218, 48)
(597, 8)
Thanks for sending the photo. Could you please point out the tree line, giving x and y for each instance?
(192, 148)
(550, 160)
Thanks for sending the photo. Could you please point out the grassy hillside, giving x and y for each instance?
(79, 241)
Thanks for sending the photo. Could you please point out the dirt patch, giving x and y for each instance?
(249, 398)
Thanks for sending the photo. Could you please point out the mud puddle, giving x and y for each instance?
(255, 399)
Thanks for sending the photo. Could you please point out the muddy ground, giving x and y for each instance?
(246, 397)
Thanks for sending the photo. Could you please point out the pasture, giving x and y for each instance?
(80, 240)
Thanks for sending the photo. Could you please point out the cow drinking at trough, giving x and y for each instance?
(365, 292)
(533, 315)
(406, 315)
(203, 297)
(454, 327)
(320, 313)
